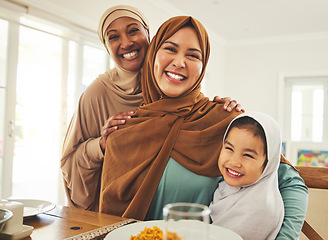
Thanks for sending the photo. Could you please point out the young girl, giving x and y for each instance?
(248, 200)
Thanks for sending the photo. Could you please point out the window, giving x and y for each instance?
(307, 113)
(94, 63)
(3, 51)
(37, 115)
(306, 119)
(52, 71)
(3, 66)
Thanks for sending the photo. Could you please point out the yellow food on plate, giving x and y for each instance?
(154, 233)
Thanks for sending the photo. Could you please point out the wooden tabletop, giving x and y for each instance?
(65, 222)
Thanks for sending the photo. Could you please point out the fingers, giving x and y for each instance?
(106, 131)
(234, 105)
(218, 99)
(112, 122)
(229, 104)
(104, 134)
(111, 125)
(239, 108)
(118, 119)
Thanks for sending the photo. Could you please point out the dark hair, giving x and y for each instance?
(252, 125)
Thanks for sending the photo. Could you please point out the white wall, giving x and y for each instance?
(252, 70)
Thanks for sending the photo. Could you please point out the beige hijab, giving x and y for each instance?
(111, 14)
(125, 83)
(115, 91)
(188, 128)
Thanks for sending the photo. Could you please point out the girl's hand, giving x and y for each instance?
(111, 125)
(229, 104)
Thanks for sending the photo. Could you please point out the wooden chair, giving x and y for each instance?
(314, 177)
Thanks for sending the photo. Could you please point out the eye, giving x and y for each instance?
(194, 56)
(170, 49)
(113, 37)
(133, 31)
(248, 156)
(228, 148)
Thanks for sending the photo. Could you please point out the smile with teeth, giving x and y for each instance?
(130, 55)
(175, 76)
(237, 174)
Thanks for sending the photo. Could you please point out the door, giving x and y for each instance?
(9, 34)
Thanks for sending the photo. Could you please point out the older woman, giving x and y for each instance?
(125, 33)
(167, 152)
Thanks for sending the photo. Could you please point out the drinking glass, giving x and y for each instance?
(188, 220)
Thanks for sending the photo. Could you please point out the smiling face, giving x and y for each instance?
(127, 43)
(178, 62)
(242, 157)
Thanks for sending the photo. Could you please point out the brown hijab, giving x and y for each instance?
(188, 128)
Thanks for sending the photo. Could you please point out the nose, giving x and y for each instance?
(179, 61)
(235, 161)
(126, 42)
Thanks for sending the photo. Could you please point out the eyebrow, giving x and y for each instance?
(115, 30)
(190, 49)
(247, 149)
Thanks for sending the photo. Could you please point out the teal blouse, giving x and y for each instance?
(181, 185)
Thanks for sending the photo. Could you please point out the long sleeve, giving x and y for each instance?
(82, 160)
(82, 157)
(295, 197)
(81, 173)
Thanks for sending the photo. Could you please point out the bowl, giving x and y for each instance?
(5, 215)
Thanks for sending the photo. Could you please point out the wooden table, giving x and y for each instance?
(64, 222)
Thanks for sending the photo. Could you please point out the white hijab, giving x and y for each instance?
(255, 211)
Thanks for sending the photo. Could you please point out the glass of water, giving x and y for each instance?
(186, 221)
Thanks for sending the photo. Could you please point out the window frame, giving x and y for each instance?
(16, 17)
(284, 112)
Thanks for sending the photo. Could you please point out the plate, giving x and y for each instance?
(125, 232)
(34, 207)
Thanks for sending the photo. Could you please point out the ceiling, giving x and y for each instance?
(244, 19)
(231, 20)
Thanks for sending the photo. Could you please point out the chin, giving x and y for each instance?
(133, 68)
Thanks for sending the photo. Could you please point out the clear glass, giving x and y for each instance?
(37, 147)
(296, 118)
(94, 63)
(3, 51)
(317, 119)
(190, 221)
(307, 112)
(3, 74)
(71, 80)
(2, 115)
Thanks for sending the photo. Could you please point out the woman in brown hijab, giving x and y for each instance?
(168, 151)
(124, 31)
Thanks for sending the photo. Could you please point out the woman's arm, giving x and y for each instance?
(81, 167)
(295, 196)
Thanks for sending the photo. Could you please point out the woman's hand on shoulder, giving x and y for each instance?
(111, 125)
(229, 104)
